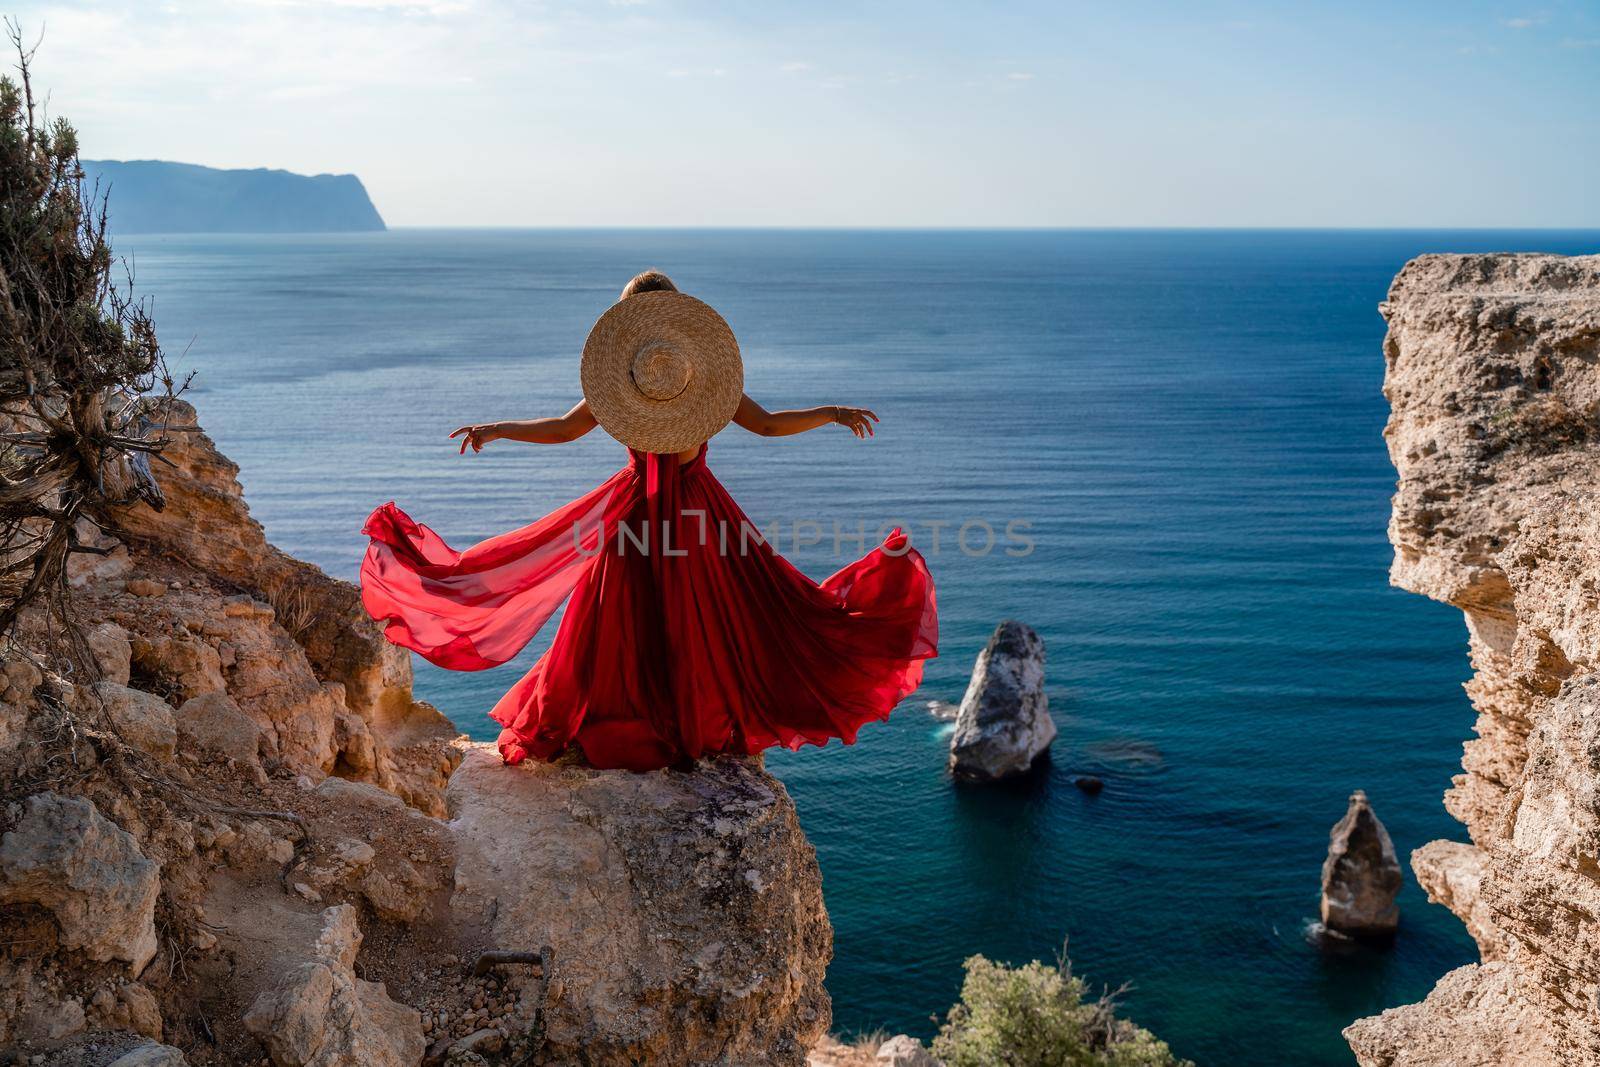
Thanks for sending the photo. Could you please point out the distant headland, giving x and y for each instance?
(153, 196)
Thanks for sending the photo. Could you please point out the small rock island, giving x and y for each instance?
(1003, 727)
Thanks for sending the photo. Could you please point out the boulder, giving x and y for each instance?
(150, 1054)
(142, 719)
(1361, 875)
(319, 1014)
(1003, 726)
(112, 653)
(904, 1051)
(212, 725)
(684, 908)
(88, 872)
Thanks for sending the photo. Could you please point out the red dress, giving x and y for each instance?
(686, 633)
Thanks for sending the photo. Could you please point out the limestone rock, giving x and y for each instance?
(1004, 724)
(88, 872)
(321, 1015)
(1493, 381)
(207, 523)
(151, 1054)
(1361, 875)
(108, 644)
(1451, 873)
(211, 724)
(1473, 1018)
(904, 1051)
(685, 909)
(142, 719)
(130, 1006)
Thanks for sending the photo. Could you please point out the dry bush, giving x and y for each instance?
(77, 354)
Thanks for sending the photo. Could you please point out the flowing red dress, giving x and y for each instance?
(686, 634)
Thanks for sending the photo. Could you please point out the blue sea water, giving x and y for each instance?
(1190, 422)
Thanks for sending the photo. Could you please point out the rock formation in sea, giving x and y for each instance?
(1493, 378)
(1361, 875)
(232, 835)
(1003, 726)
(155, 196)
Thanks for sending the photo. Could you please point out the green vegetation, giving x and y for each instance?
(1039, 1015)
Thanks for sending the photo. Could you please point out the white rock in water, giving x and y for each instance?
(1004, 724)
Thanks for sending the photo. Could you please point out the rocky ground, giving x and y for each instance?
(1493, 377)
(231, 836)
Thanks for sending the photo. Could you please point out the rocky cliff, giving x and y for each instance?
(1493, 377)
(229, 834)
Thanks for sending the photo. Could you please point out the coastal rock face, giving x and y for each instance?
(232, 842)
(1004, 724)
(1361, 875)
(1493, 377)
(684, 910)
(294, 650)
(88, 873)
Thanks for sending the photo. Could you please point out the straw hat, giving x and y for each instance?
(661, 372)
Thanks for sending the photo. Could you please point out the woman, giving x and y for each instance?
(686, 633)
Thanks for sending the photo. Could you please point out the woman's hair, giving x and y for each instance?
(648, 281)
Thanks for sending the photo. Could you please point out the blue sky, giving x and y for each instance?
(682, 113)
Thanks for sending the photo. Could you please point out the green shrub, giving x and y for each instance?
(1041, 1016)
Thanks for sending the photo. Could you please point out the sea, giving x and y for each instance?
(1160, 449)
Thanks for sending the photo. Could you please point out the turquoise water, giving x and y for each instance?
(1190, 422)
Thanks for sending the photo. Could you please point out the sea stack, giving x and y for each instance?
(1361, 876)
(1003, 727)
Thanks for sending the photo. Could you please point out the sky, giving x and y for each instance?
(746, 113)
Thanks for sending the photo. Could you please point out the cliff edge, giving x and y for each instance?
(230, 834)
(1493, 378)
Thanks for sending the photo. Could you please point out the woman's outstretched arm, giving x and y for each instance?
(759, 420)
(569, 427)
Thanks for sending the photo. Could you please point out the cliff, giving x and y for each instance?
(153, 196)
(230, 834)
(1493, 377)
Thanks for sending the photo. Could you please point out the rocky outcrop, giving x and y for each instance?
(904, 1051)
(319, 1014)
(1493, 377)
(88, 873)
(1361, 875)
(293, 647)
(223, 831)
(684, 910)
(1003, 726)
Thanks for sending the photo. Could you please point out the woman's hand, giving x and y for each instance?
(477, 436)
(857, 420)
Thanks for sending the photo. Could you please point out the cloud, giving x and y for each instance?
(795, 67)
(1019, 76)
(1581, 42)
(1522, 23)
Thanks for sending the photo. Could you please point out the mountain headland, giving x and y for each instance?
(155, 196)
